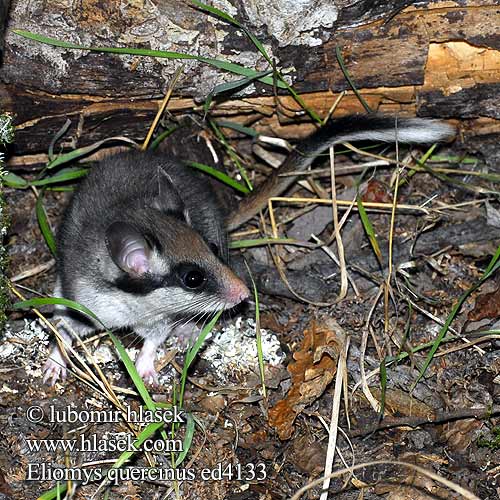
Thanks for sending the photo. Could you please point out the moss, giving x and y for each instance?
(6, 136)
(492, 441)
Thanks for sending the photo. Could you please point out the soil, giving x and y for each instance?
(250, 445)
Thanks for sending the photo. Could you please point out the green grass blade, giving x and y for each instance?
(239, 128)
(62, 189)
(350, 81)
(43, 222)
(228, 66)
(114, 50)
(446, 178)
(14, 181)
(383, 388)
(238, 70)
(368, 227)
(132, 371)
(191, 354)
(149, 431)
(258, 242)
(154, 144)
(78, 153)
(303, 105)
(260, 354)
(54, 493)
(56, 137)
(231, 152)
(232, 20)
(231, 86)
(188, 440)
(493, 266)
(221, 176)
(279, 81)
(70, 304)
(45, 301)
(64, 175)
(129, 365)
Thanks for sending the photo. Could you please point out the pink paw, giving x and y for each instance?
(146, 369)
(54, 368)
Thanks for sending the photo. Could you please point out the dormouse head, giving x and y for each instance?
(169, 264)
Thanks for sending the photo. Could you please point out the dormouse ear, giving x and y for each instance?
(168, 199)
(128, 248)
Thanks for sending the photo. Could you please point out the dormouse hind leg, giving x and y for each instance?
(55, 366)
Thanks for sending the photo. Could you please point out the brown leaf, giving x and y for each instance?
(460, 434)
(5, 489)
(313, 369)
(377, 191)
(487, 306)
(400, 402)
(308, 455)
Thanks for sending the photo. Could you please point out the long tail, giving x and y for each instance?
(349, 128)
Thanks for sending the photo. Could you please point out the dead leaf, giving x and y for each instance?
(213, 404)
(314, 368)
(377, 191)
(398, 402)
(409, 485)
(460, 434)
(487, 306)
(308, 455)
(5, 488)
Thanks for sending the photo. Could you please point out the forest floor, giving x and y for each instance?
(249, 445)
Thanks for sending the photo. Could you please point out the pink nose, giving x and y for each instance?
(237, 292)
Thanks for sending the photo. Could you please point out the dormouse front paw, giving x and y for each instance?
(55, 367)
(146, 368)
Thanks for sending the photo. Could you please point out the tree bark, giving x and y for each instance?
(435, 58)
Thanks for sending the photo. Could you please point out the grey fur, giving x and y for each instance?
(170, 206)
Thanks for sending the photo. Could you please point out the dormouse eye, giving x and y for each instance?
(194, 279)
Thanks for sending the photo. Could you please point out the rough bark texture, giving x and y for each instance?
(435, 58)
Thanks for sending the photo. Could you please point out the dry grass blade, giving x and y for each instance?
(63, 347)
(334, 106)
(449, 484)
(364, 342)
(98, 383)
(341, 376)
(162, 107)
(375, 206)
(470, 343)
(338, 237)
(437, 172)
(441, 323)
(369, 230)
(34, 271)
(387, 287)
(332, 256)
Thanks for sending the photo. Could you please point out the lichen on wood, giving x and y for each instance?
(6, 136)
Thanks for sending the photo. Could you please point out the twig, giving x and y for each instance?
(437, 418)
(162, 107)
(436, 477)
